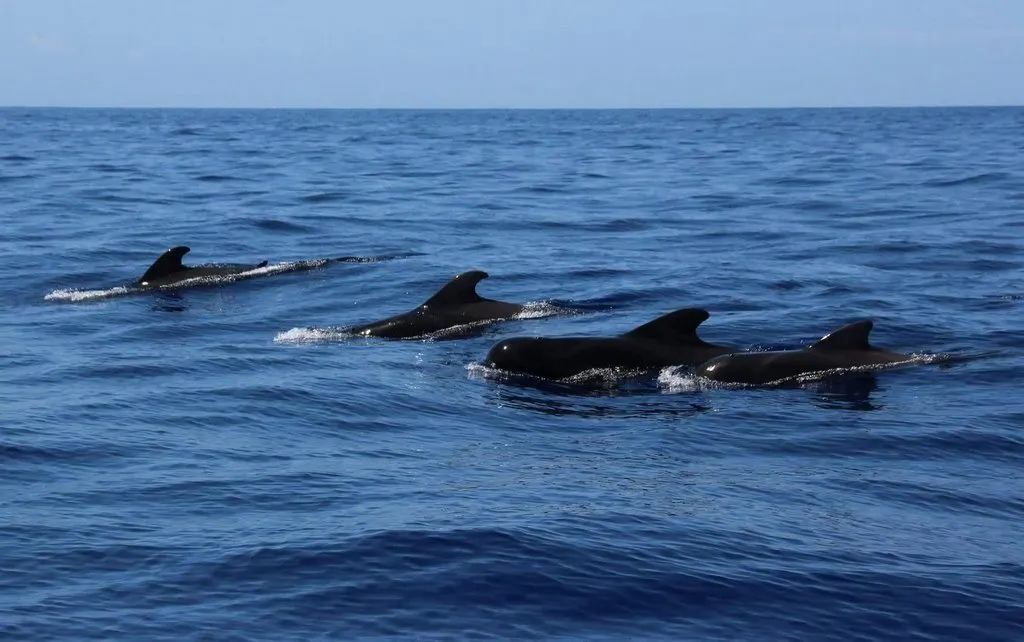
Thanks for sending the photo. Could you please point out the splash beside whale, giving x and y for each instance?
(669, 340)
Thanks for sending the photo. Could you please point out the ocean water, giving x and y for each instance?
(225, 463)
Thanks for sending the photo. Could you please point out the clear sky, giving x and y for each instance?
(511, 53)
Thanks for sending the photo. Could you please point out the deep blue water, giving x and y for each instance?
(203, 465)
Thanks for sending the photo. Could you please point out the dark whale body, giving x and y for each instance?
(456, 304)
(669, 340)
(846, 347)
(168, 270)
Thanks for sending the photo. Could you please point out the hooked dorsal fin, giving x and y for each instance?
(168, 263)
(680, 325)
(849, 337)
(460, 290)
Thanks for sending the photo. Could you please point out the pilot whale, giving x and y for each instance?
(168, 270)
(846, 347)
(457, 303)
(669, 340)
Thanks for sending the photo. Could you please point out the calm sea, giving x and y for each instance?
(220, 464)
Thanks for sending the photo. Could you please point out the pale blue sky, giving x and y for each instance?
(511, 53)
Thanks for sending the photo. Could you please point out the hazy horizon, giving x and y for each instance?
(529, 54)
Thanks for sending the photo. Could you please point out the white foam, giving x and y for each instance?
(73, 295)
(605, 377)
(680, 379)
(311, 335)
(540, 309)
(480, 371)
(285, 267)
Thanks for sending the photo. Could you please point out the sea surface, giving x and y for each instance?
(225, 462)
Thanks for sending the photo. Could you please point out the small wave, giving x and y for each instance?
(108, 168)
(216, 178)
(624, 225)
(639, 147)
(493, 206)
(786, 285)
(130, 200)
(318, 127)
(817, 205)
(275, 225)
(798, 181)
(324, 197)
(15, 158)
(597, 272)
(984, 177)
(539, 189)
(185, 131)
(12, 178)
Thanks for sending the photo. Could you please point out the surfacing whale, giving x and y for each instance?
(669, 340)
(456, 304)
(168, 270)
(847, 347)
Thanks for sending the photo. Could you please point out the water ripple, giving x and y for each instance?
(228, 458)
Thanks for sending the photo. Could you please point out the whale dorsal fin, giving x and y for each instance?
(849, 337)
(460, 290)
(168, 263)
(680, 325)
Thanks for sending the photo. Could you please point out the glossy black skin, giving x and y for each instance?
(168, 270)
(669, 340)
(846, 347)
(456, 304)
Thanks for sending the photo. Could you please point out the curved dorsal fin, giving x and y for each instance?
(168, 263)
(849, 337)
(460, 290)
(680, 325)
